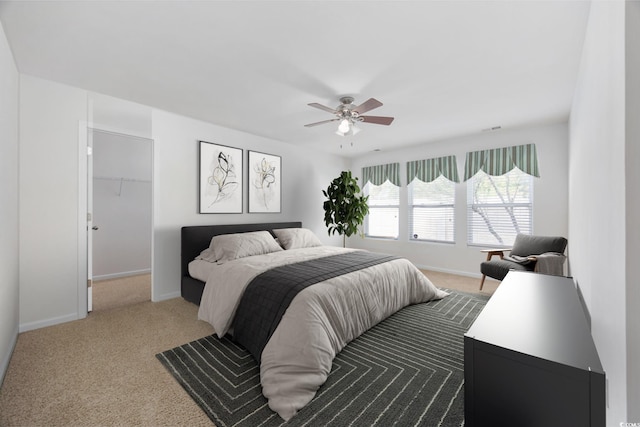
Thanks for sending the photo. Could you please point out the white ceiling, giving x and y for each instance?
(442, 68)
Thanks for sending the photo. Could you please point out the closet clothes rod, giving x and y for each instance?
(121, 180)
(112, 178)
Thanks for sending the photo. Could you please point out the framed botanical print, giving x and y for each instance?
(265, 186)
(220, 178)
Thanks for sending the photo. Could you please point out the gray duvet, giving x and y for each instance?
(320, 320)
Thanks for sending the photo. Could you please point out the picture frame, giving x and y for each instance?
(265, 182)
(220, 178)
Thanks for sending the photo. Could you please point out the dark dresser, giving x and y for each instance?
(530, 360)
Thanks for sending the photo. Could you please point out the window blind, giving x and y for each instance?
(431, 210)
(431, 199)
(384, 210)
(499, 207)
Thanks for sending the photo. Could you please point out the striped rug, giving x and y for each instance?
(406, 371)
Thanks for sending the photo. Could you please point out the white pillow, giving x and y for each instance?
(228, 247)
(295, 238)
(207, 255)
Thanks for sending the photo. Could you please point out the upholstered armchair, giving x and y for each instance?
(544, 254)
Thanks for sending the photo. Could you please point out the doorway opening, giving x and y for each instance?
(120, 202)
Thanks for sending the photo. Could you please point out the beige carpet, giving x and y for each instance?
(112, 293)
(102, 371)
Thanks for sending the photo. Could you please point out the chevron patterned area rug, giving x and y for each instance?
(406, 371)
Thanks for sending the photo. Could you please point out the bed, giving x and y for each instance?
(194, 239)
(292, 302)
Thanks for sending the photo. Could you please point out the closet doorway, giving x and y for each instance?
(121, 196)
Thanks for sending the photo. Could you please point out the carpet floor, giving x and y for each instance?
(406, 371)
(102, 370)
(113, 293)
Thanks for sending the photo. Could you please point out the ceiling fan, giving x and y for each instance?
(348, 115)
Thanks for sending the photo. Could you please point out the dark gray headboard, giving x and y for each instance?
(196, 238)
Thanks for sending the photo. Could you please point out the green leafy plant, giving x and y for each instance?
(345, 208)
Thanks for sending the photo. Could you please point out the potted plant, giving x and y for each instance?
(345, 208)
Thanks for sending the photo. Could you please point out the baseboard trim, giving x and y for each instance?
(449, 271)
(7, 357)
(165, 297)
(122, 274)
(30, 326)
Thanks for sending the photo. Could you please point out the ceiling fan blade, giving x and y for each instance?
(367, 106)
(322, 107)
(320, 123)
(378, 120)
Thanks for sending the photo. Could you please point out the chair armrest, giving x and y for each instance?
(491, 252)
(503, 250)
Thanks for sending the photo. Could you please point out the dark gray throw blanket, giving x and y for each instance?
(269, 294)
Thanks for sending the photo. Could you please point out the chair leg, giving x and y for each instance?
(484, 276)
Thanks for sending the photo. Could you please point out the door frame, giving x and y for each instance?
(85, 215)
(83, 144)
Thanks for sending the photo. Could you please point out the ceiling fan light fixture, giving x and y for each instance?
(344, 126)
(347, 127)
(349, 115)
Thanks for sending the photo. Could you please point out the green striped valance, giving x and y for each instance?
(501, 160)
(377, 175)
(430, 169)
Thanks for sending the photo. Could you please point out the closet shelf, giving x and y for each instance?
(113, 178)
(121, 181)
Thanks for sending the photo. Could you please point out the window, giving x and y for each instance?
(382, 185)
(384, 209)
(499, 207)
(431, 210)
(431, 198)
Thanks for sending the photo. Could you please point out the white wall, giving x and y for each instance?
(597, 199)
(550, 195)
(632, 89)
(50, 222)
(304, 175)
(118, 115)
(50, 114)
(122, 201)
(9, 290)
